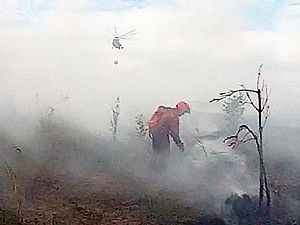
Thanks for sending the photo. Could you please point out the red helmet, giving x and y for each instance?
(183, 106)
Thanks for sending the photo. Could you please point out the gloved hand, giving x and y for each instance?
(181, 147)
(178, 142)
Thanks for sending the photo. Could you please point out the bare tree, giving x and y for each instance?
(245, 133)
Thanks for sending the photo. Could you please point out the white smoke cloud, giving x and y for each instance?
(187, 50)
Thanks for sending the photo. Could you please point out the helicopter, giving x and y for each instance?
(116, 41)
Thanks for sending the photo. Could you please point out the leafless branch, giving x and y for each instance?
(200, 143)
(267, 114)
(202, 147)
(249, 139)
(250, 99)
(267, 98)
(258, 76)
(223, 95)
(234, 140)
(263, 86)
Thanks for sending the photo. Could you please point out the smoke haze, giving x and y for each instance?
(59, 54)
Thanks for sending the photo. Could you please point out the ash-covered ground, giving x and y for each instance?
(55, 171)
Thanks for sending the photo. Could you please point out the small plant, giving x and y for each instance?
(115, 109)
(141, 128)
(15, 188)
(46, 121)
(12, 176)
(234, 108)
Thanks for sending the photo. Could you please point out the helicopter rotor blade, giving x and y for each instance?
(116, 31)
(132, 32)
(126, 38)
(110, 32)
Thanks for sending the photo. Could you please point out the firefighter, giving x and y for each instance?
(163, 124)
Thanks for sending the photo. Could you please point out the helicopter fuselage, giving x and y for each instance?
(116, 43)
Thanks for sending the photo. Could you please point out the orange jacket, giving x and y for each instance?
(165, 123)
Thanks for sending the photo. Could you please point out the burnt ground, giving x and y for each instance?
(85, 179)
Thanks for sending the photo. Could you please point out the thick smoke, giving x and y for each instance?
(63, 139)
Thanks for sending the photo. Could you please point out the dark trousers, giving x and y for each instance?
(161, 151)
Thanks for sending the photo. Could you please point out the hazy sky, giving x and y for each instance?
(184, 50)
